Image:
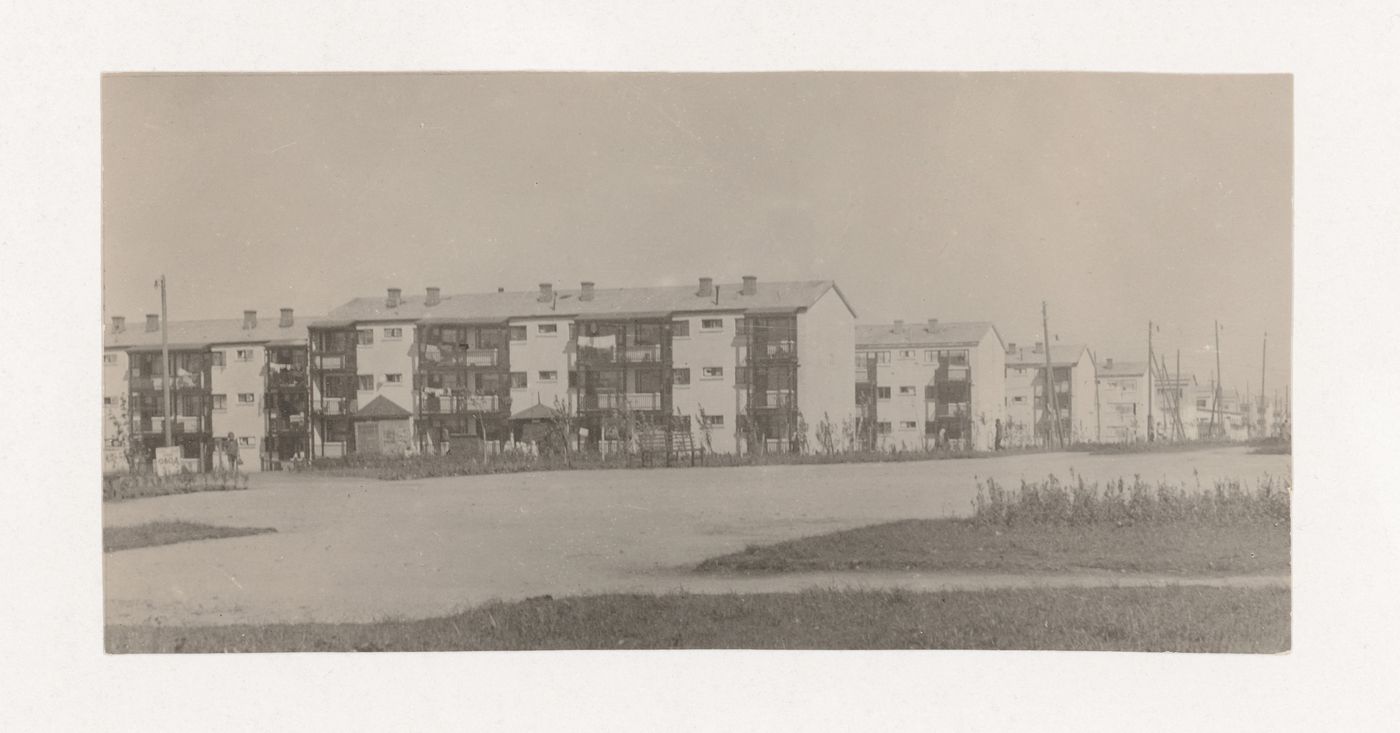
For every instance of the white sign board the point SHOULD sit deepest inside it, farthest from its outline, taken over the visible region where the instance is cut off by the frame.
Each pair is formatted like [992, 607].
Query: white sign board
[167, 461]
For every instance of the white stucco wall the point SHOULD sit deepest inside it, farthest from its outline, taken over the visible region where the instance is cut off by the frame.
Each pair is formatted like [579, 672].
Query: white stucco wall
[1123, 408]
[245, 420]
[1084, 379]
[825, 349]
[708, 348]
[988, 364]
[387, 356]
[541, 352]
[900, 371]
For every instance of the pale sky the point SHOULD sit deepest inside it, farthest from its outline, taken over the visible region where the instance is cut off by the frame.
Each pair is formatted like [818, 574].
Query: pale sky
[1118, 198]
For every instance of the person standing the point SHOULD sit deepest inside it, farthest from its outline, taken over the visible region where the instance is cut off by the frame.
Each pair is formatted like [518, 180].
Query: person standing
[231, 451]
[996, 443]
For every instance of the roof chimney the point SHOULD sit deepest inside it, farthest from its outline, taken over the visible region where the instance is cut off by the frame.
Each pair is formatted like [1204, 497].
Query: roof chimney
[932, 324]
[434, 296]
[707, 288]
[118, 324]
[1039, 347]
[546, 292]
[750, 286]
[392, 301]
[898, 324]
[1011, 347]
[250, 320]
[286, 321]
[585, 290]
[152, 322]
[500, 290]
[1108, 363]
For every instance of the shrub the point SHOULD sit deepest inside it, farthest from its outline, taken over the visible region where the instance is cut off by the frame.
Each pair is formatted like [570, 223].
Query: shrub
[122, 486]
[1119, 502]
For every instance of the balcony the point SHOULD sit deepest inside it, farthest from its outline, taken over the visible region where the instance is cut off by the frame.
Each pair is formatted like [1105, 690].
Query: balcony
[775, 350]
[772, 399]
[286, 379]
[287, 423]
[455, 404]
[596, 355]
[335, 406]
[178, 425]
[157, 384]
[635, 401]
[330, 363]
[447, 355]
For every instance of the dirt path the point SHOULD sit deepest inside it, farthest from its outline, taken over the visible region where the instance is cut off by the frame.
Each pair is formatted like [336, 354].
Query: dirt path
[360, 550]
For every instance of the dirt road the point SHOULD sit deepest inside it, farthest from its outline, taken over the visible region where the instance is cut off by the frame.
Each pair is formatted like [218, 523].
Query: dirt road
[358, 550]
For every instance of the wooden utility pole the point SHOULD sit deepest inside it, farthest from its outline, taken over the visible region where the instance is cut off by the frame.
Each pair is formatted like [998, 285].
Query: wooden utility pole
[1052, 399]
[1151, 365]
[165, 367]
[1181, 392]
[1215, 417]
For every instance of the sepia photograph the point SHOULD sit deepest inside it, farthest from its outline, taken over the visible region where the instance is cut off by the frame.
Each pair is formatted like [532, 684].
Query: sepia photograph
[579, 361]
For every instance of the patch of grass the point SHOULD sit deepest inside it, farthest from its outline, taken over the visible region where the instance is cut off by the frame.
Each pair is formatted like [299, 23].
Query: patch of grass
[962, 545]
[1182, 619]
[168, 533]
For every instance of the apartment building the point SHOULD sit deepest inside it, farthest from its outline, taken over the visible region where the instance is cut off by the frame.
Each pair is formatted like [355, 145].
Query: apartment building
[241, 377]
[930, 384]
[1122, 395]
[1028, 410]
[743, 366]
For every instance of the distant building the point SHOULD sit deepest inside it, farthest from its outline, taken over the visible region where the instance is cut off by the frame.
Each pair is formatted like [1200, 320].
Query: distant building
[1029, 412]
[245, 377]
[733, 367]
[923, 383]
[1122, 396]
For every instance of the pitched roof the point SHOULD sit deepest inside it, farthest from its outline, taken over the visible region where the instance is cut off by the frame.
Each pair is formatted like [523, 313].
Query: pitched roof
[201, 334]
[535, 412]
[968, 333]
[1060, 355]
[621, 302]
[382, 408]
[1122, 368]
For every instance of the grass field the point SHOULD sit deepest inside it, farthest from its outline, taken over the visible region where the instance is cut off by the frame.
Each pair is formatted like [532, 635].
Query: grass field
[964, 545]
[152, 534]
[1183, 619]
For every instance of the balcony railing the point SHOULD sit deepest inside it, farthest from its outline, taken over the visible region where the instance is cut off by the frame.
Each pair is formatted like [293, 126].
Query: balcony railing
[621, 401]
[156, 384]
[778, 350]
[445, 355]
[180, 424]
[453, 404]
[288, 423]
[773, 399]
[287, 379]
[329, 362]
[589, 355]
[334, 406]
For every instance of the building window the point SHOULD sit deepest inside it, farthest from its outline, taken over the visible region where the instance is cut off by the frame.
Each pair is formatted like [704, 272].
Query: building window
[366, 381]
[930, 356]
[884, 427]
[109, 358]
[712, 373]
[714, 421]
[393, 378]
[680, 329]
[247, 398]
[549, 376]
[929, 392]
[247, 441]
[107, 400]
[711, 324]
[906, 353]
[517, 380]
[908, 425]
[366, 337]
[216, 358]
[907, 391]
[882, 357]
[393, 333]
[680, 377]
[245, 354]
[517, 333]
[882, 392]
[547, 329]
[1019, 398]
[220, 402]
